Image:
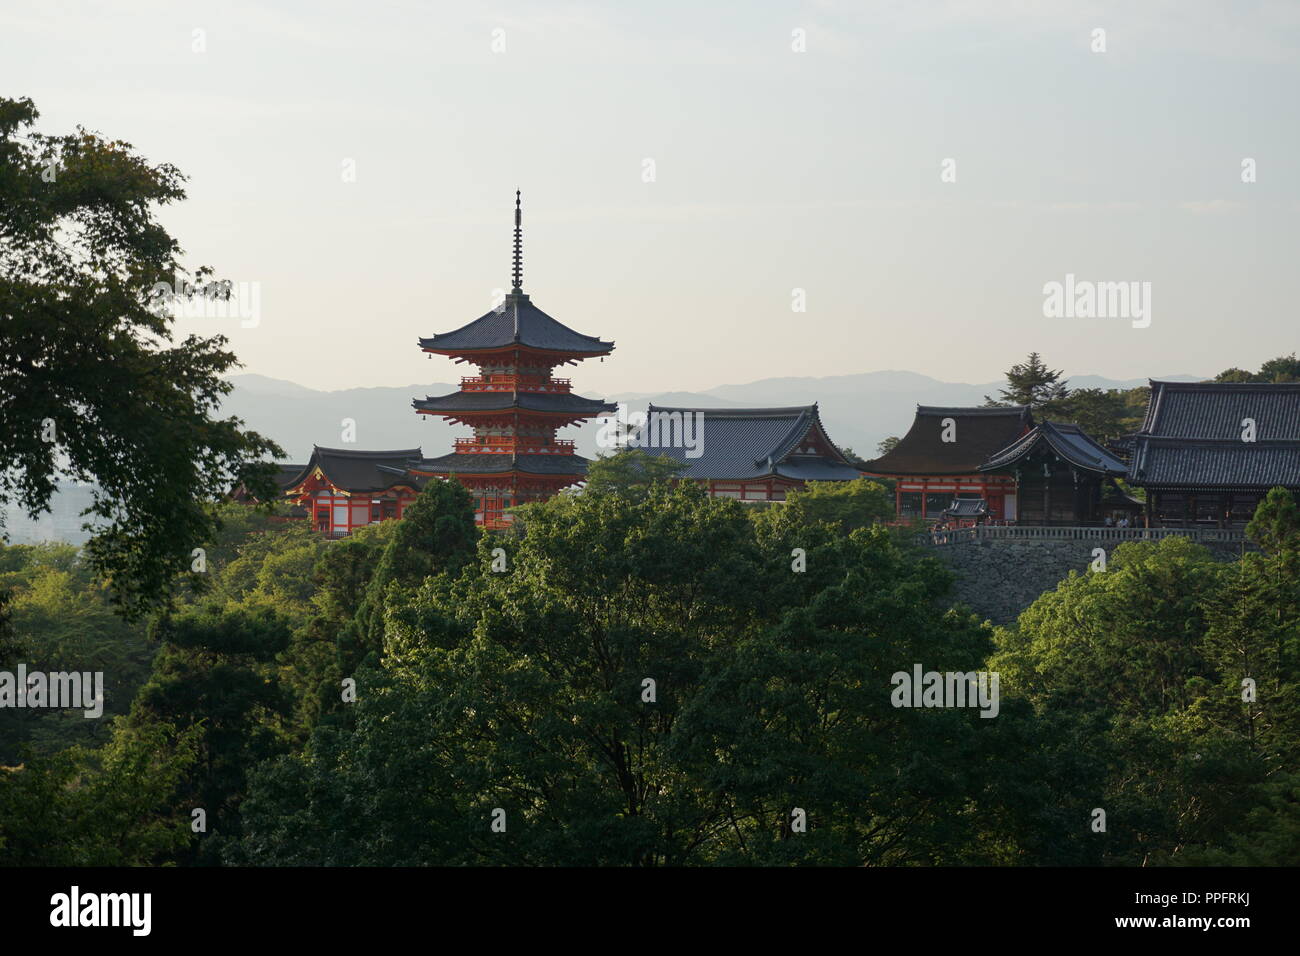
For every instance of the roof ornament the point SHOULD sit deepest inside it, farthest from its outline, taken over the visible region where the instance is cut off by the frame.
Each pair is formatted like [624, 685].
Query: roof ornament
[518, 272]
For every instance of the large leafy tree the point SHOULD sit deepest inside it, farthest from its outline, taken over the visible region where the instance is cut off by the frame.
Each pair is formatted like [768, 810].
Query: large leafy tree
[1143, 663]
[110, 807]
[1031, 383]
[1105, 414]
[1283, 368]
[649, 680]
[629, 471]
[846, 504]
[67, 624]
[93, 384]
[437, 533]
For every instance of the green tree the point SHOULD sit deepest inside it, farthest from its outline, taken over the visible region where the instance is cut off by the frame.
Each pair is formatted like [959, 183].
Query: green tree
[215, 673]
[1121, 660]
[67, 624]
[1235, 375]
[10, 647]
[1275, 525]
[1269, 835]
[650, 681]
[324, 648]
[1284, 368]
[1031, 383]
[845, 504]
[1105, 414]
[109, 807]
[93, 386]
[437, 534]
[629, 471]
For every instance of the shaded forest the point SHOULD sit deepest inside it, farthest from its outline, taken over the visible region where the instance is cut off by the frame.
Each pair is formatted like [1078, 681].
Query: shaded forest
[425, 693]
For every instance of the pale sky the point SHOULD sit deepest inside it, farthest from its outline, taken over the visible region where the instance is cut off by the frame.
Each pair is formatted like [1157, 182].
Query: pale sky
[774, 170]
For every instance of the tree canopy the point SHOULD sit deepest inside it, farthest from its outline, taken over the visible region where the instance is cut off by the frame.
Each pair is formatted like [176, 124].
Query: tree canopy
[93, 384]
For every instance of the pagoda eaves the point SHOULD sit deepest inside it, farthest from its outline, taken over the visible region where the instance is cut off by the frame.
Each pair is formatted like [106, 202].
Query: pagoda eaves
[514, 404]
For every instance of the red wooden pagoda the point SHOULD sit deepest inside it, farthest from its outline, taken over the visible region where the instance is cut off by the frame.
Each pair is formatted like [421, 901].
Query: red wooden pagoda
[514, 404]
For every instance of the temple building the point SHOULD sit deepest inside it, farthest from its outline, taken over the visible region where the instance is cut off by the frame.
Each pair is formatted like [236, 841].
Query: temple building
[940, 461]
[1062, 476]
[1208, 452]
[341, 489]
[754, 454]
[514, 404]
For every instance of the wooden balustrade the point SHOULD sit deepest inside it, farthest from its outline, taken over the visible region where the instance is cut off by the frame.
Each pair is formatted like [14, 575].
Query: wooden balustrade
[1048, 532]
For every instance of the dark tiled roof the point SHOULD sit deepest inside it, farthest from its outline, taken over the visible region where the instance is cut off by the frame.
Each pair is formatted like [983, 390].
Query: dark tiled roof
[811, 468]
[497, 464]
[1215, 410]
[1068, 441]
[287, 474]
[558, 403]
[518, 322]
[745, 443]
[979, 433]
[357, 470]
[1180, 462]
[1192, 436]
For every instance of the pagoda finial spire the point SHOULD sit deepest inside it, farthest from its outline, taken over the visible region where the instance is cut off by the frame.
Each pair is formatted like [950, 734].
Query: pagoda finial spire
[519, 246]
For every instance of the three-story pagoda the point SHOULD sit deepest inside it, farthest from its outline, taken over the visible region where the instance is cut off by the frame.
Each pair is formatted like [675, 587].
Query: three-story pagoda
[514, 404]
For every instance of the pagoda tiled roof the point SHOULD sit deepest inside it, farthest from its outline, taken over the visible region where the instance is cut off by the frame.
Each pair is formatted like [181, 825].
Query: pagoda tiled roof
[516, 322]
[556, 403]
[1068, 441]
[749, 443]
[979, 434]
[494, 464]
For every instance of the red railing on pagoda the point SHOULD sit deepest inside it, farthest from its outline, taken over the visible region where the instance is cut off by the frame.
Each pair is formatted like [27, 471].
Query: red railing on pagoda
[511, 383]
[516, 444]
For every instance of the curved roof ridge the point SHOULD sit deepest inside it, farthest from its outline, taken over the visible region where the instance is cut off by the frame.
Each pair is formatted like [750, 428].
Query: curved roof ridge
[973, 409]
[517, 322]
[783, 411]
[1068, 440]
[800, 428]
[364, 452]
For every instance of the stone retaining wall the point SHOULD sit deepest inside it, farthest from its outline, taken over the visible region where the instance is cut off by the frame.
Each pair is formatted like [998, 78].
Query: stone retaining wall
[1000, 578]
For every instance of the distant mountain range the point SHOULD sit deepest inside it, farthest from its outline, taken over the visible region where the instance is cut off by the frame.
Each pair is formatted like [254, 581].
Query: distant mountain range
[858, 410]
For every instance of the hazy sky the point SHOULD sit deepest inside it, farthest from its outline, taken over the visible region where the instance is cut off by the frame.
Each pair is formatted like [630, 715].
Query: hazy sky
[774, 170]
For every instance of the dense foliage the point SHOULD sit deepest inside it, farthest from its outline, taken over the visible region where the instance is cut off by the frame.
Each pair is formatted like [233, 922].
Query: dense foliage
[93, 385]
[644, 675]
[641, 675]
